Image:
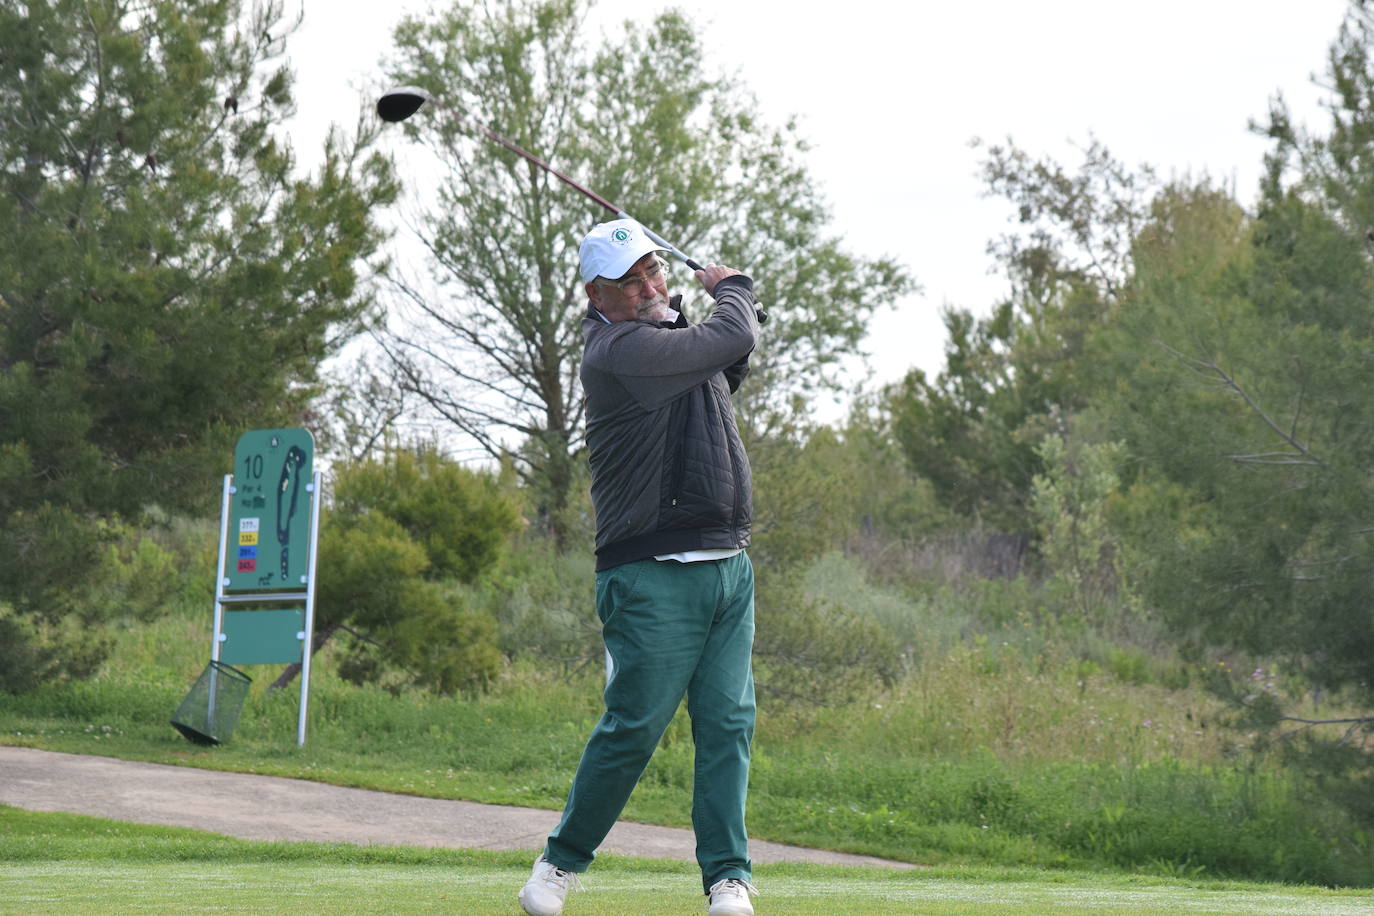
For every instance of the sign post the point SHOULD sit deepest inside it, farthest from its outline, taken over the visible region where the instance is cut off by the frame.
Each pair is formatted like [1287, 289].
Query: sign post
[269, 532]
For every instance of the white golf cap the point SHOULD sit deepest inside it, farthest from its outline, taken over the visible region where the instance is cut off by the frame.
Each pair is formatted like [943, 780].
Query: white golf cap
[611, 249]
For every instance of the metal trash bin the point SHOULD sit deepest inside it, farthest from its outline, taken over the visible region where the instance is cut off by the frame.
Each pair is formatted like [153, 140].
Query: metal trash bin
[211, 710]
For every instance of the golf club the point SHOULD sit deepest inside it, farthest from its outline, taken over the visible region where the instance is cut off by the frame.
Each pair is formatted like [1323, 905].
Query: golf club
[403, 101]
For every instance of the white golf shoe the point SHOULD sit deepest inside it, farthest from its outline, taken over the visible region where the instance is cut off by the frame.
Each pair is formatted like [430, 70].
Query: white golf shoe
[730, 897]
[544, 893]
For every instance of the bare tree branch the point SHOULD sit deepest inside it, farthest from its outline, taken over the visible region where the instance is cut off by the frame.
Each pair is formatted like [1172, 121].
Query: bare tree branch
[1210, 369]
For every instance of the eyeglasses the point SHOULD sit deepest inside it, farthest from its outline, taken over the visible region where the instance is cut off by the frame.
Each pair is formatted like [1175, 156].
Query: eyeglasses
[635, 285]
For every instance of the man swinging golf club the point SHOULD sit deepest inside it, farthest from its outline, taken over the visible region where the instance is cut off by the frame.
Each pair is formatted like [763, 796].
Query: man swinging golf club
[674, 587]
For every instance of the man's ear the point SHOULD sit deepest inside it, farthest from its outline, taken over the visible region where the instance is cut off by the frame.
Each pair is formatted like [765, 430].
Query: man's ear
[594, 293]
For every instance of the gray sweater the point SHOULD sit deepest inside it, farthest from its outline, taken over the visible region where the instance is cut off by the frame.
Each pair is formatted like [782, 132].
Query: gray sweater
[669, 472]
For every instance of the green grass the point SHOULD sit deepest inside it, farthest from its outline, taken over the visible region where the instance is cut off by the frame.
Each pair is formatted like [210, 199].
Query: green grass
[870, 781]
[994, 752]
[53, 863]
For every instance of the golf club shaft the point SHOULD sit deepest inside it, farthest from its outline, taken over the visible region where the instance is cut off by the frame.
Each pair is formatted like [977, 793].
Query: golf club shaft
[530, 157]
[672, 249]
[620, 214]
[402, 102]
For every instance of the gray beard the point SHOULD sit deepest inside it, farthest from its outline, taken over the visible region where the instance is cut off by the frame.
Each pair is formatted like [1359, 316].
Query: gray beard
[655, 309]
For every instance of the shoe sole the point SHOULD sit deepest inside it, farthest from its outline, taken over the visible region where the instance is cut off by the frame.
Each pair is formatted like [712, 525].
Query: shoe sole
[526, 907]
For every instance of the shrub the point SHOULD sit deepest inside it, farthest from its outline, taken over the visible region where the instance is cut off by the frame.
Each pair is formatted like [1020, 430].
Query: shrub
[84, 576]
[544, 602]
[402, 535]
[815, 652]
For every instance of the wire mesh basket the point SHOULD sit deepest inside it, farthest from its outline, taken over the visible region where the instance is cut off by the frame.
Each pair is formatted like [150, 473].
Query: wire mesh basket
[211, 710]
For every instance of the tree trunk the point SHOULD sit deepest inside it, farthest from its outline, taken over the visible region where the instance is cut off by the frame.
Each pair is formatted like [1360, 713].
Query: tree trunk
[289, 673]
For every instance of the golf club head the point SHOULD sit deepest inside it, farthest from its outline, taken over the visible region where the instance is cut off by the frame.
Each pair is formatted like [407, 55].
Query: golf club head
[401, 102]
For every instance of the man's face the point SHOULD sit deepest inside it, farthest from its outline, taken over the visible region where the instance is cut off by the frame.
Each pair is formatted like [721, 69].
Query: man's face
[641, 293]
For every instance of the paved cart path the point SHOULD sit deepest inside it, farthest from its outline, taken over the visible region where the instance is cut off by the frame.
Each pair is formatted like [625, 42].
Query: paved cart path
[276, 808]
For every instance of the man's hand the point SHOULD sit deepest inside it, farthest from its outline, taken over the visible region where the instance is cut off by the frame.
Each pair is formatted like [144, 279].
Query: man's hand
[713, 274]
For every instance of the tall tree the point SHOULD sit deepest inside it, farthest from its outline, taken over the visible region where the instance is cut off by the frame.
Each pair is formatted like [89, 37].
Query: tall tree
[494, 346]
[1242, 360]
[1015, 375]
[168, 276]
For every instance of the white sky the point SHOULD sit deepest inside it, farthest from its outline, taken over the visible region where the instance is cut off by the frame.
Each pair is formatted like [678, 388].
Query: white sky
[890, 97]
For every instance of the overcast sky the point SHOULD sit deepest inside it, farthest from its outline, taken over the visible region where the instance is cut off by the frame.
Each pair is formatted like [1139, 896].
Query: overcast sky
[890, 97]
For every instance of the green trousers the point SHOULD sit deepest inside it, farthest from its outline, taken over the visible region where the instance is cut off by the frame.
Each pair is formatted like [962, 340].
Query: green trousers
[670, 628]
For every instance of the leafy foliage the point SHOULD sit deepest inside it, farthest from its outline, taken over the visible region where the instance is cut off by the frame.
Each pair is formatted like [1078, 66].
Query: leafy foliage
[813, 652]
[1015, 376]
[1227, 361]
[494, 347]
[543, 600]
[462, 519]
[135, 577]
[1237, 395]
[168, 277]
[1172, 396]
[401, 533]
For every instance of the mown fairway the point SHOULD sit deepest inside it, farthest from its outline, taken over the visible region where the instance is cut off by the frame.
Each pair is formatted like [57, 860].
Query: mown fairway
[272, 887]
[60, 863]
